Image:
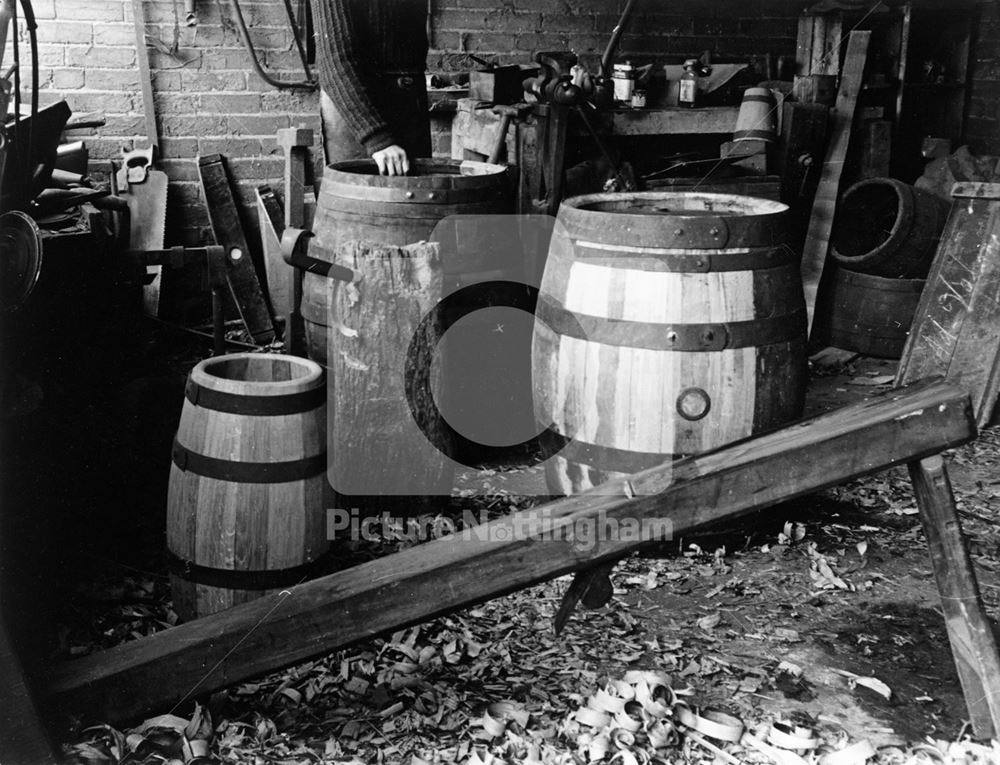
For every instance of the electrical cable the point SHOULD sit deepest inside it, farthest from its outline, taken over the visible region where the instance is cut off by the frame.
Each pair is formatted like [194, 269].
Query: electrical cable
[309, 83]
[16, 50]
[32, 26]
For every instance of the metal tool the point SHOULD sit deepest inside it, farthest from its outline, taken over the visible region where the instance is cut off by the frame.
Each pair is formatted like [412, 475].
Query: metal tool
[507, 115]
[215, 262]
[144, 188]
[20, 259]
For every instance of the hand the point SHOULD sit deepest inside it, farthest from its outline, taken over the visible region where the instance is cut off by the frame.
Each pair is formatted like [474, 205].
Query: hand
[392, 161]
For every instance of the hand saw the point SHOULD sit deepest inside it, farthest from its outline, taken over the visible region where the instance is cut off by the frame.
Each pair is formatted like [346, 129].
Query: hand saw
[143, 188]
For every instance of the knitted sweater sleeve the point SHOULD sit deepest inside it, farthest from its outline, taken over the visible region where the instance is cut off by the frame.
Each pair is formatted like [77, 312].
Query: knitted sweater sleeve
[340, 74]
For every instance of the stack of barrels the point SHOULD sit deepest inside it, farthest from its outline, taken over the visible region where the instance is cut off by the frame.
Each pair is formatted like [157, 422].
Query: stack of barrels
[884, 239]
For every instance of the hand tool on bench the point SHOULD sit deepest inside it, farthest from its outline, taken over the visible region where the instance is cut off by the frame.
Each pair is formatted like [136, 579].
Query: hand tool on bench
[142, 187]
[507, 115]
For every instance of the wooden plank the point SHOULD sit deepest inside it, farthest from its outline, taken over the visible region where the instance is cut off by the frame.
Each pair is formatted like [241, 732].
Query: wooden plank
[709, 119]
[825, 203]
[876, 150]
[956, 329]
[509, 553]
[279, 273]
[803, 140]
[243, 281]
[377, 446]
[145, 77]
[969, 630]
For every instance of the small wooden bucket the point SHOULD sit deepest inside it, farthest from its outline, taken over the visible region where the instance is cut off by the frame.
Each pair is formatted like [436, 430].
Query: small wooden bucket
[758, 117]
[245, 512]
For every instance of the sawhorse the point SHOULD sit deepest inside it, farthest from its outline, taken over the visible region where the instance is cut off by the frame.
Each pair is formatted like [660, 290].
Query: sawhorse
[909, 426]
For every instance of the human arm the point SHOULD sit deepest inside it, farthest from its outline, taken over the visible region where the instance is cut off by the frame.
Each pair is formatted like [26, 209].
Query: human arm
[341, 75]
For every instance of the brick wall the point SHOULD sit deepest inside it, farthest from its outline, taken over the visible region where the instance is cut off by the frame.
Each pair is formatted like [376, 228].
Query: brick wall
[209, 100]
[513, 30]
[982, 127]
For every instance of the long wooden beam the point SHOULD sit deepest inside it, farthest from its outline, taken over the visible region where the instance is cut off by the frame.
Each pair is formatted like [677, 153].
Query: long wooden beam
[438, 577]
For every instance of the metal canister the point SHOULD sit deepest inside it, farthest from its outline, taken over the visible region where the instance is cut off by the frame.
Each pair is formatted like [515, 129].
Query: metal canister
[623, 76]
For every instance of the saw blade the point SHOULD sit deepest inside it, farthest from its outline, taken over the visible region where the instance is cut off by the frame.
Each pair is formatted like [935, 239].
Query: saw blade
[147, 206]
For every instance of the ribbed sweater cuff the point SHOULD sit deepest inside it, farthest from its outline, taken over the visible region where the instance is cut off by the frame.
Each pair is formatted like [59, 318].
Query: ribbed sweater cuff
[378, 140]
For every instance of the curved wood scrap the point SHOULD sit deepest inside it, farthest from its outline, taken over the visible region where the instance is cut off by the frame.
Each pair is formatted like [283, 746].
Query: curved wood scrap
[438, 577]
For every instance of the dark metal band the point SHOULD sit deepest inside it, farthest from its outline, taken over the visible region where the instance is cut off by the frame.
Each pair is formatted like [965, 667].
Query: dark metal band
[670, 337]
[438, 196]
[269, 579]
[248, 472]
[255, 406]
[655, 259]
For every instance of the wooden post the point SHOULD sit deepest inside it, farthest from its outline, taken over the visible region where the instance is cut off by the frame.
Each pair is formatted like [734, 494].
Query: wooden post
[825, 204]
[296, 143]
[969, 630]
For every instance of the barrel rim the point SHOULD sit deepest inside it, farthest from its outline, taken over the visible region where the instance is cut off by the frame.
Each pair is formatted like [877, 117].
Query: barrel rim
[201, 375]
[467, 173]
[878, 282]
[905, 207]
[577, 203]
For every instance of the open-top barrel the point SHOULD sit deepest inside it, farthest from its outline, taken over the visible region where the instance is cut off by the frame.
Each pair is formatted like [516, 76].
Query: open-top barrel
[245, 511]
[356, 203]
[667, 324]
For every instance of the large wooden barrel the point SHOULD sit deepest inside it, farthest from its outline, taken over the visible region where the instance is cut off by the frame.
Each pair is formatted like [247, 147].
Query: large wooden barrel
[245, 510]
[355, 202]
[667, 324]
[865, 313]
[888, 228]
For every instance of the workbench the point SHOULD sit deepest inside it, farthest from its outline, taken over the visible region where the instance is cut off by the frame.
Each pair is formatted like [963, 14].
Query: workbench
[476, 131]
[475, 127]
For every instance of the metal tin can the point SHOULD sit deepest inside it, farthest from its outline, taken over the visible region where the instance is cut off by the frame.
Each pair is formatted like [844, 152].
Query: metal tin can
[623, 76]
[639, 99]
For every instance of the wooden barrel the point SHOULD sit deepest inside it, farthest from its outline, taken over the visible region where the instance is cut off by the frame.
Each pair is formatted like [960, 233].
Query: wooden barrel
[864, 313]
[355, 202]
[245, 511]
[667, 324]
[888, 228]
